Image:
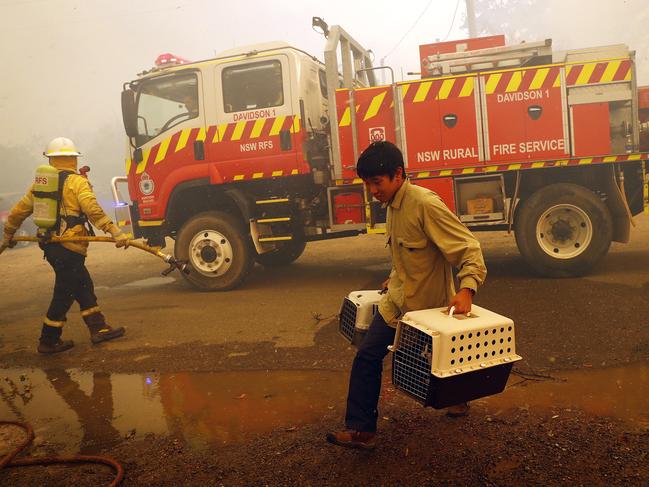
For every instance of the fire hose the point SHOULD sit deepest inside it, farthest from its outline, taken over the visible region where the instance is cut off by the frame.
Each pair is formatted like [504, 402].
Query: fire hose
[174, 263]
[9, 459]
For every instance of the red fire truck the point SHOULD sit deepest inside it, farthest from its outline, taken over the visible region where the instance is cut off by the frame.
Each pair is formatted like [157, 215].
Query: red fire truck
[248, 156]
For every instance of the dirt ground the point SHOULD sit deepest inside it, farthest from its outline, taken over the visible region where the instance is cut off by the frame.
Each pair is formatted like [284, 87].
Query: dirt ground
[285, 320]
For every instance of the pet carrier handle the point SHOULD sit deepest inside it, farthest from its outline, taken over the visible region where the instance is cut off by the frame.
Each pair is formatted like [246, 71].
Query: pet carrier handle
[452, 310]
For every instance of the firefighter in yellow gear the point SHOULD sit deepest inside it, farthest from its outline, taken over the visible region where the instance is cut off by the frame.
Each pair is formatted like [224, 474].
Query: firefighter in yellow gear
[76, 205]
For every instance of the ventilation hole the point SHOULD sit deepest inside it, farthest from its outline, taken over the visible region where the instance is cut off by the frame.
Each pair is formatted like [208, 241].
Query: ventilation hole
[509, 329]
[486, 355]
[453, 350]
[452, 361]
[486, 332]
[502, 340]
[486, 343]
[469, 347]
[477, 345]
[509, 350]
[469, 358]
[509, 339]
[461, 337]
[470, 335]
[493, 342]
[453, 338]
[494, 331]
[492, 353]
[461, 349]
[461, 360]
[477, 334]
[501, 351]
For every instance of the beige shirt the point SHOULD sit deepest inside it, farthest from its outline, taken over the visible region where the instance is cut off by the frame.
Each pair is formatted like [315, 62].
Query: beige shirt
[425, 240]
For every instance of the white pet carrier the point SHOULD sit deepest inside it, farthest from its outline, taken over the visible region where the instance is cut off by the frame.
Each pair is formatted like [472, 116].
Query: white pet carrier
[356, 314]
[442, 360]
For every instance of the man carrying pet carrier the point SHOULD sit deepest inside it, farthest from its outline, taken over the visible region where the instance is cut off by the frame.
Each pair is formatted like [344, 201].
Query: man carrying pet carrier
[426, 240]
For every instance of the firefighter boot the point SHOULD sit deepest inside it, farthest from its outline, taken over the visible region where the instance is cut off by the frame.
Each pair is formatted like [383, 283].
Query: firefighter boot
[50, 341]
[99, 330]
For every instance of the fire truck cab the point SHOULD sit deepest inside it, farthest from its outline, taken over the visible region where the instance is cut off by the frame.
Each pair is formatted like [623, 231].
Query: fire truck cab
[248, 156]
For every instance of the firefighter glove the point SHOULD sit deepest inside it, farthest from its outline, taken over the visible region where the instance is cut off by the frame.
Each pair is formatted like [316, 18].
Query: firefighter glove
[121, 239]
[7, 243]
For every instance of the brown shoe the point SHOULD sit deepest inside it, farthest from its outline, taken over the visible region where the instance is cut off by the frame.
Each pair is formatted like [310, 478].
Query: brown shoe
[363, 440]
[458, 410]
[55, 347]
[106, 333]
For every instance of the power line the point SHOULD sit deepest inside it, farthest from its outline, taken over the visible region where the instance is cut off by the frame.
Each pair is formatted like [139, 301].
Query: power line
[410, 30]
[452, 21]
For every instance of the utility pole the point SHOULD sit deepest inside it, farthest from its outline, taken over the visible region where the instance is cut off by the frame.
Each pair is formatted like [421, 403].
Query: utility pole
[470, 16]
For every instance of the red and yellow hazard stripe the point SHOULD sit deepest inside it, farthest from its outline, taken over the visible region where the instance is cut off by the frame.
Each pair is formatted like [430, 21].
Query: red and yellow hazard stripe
[522, 80]
[438, 89]
[598, 72]
[460, 171]
[232, 132]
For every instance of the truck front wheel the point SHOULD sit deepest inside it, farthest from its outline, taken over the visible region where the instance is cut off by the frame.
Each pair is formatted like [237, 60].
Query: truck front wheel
[563, 230]
[217, 249]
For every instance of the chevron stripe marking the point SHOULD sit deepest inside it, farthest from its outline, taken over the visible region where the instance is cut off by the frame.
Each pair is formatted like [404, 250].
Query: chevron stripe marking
[514, 167]
[467, 88]
[182, 140]
[238, 130]
[129, 163]
[142, 165]
[587, 160]
[375, 105]
[238, 177]
[277, 125]
[422, 91]
[539, 78]
[277, 173]
[537, 165]
[514, 82]
[610, 159]
[445, 90]
[294, 172]
[491, 168]
[446, 172]
[257, 175]
[586, 71]
[295, 126]
[202, 134]
[257, 128]
[162, 151]
[492, 83]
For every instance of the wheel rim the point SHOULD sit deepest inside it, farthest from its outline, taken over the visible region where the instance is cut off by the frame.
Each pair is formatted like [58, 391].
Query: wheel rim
[210, 253]
[564, 231]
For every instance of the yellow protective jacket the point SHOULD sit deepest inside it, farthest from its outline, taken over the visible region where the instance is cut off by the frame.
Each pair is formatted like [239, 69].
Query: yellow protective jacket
[77, 198]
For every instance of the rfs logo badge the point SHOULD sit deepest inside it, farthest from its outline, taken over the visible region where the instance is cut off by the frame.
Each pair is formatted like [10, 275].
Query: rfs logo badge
[147, 186]
[377, 134]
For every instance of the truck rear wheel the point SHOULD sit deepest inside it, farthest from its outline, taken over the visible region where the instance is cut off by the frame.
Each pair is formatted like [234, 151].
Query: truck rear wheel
[563, 230]
[286, 254]
[217, 249]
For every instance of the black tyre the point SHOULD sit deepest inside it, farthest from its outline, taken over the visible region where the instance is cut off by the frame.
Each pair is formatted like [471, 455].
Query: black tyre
[289, 252]
[218, 251]
[563, 230]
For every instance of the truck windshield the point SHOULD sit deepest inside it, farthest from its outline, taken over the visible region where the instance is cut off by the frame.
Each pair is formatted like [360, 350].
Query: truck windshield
[165, 102]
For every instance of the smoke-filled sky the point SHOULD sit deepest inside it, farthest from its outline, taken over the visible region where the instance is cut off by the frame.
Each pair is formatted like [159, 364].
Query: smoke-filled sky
[64, 61]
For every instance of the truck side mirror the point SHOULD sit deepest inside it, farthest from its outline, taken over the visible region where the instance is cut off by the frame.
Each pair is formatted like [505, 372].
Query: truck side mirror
[129, 113]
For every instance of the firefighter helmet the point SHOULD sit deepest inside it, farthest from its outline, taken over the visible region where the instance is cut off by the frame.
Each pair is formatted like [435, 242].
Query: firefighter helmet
[61, 146]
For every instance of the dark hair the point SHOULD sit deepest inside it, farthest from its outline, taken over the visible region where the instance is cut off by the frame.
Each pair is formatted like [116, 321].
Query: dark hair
[380, 159]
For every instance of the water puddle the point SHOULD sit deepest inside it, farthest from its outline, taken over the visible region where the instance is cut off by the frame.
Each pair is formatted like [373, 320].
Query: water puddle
[620, 392]
[74, 411]
[81, 411]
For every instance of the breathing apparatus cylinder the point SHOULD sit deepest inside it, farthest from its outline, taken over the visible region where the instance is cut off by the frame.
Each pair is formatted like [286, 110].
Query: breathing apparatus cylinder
[46, 197]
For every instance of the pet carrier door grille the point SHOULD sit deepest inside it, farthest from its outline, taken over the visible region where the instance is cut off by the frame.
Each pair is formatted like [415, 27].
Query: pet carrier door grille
[412, 362]
[348, 319]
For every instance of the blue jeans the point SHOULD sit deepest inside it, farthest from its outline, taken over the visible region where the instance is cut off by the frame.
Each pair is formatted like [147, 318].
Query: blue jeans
[365, 377]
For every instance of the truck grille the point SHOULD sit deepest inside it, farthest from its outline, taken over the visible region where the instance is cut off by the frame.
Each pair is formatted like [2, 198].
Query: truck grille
[411, 367]
[348, 319]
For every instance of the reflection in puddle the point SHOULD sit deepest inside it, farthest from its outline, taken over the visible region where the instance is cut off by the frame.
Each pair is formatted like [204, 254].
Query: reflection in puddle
[74, 411]
[83, 412]
[620, 392]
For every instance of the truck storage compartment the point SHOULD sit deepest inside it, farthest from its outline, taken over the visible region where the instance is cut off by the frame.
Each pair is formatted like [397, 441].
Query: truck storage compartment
[441, 123]
[524, 118]
[481, 199]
